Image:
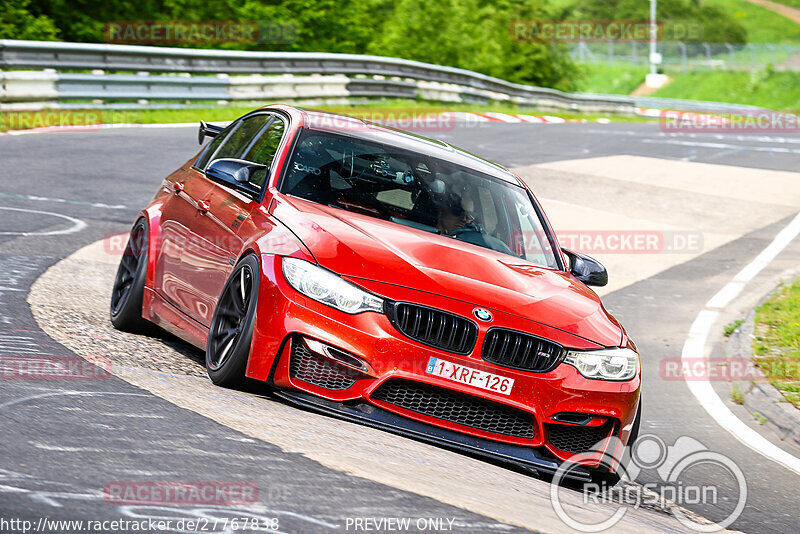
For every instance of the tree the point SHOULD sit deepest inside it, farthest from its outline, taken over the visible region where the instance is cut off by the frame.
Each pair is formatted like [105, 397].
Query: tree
[17, 22]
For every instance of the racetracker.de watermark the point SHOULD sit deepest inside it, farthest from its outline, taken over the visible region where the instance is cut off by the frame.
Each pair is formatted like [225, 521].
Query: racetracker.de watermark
[189, 493]
[199, 32]
[724, 369]
[54, 368]
[742, 121]
[632, 241]
[60, 118]
[429, 121]
[588, 30]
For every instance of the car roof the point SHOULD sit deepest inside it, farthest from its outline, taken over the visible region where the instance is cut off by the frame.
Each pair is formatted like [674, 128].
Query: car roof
[341, 124]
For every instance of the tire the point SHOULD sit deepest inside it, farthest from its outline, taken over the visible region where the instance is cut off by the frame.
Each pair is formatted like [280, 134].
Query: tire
[128, 290]
[231, 331]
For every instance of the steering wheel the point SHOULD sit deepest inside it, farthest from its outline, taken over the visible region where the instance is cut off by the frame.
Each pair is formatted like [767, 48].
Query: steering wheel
[486, 240]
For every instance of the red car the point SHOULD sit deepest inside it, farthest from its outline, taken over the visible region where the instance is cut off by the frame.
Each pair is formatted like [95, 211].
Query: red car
[383, 277]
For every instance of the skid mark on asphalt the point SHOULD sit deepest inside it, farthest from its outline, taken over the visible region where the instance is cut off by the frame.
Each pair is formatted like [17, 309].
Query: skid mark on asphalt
[77, 224]
[63, 201]
[78, 319]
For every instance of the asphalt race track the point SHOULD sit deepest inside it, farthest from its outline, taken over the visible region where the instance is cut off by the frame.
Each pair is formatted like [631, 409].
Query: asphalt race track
[722, 199]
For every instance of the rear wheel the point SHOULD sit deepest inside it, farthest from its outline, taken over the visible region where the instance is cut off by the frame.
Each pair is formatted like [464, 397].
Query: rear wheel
[231, 330]
[128, 290]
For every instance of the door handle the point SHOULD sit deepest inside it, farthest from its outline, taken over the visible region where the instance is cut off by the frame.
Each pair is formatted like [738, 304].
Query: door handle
[203, 206]
[179, 186]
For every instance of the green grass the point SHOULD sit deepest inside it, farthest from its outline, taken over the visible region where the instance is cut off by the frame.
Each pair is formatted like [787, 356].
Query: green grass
[777, 341]
[766, 88]
[615, 78]
[736, 395]
[731, 327]
[380, 110]
[762, 25]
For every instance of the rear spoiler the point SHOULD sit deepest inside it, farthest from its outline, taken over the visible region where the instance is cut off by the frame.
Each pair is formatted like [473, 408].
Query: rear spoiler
[208, 130]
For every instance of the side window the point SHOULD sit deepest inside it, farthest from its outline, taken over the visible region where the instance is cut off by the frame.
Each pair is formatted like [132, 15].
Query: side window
[239, 139]
[263, 148]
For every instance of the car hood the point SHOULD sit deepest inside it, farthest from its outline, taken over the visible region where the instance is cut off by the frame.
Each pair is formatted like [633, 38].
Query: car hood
[360, 246]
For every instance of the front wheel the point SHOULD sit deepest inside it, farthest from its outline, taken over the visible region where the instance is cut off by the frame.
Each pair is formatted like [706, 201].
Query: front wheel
[602, 476]
[128, 290]
[231, 330]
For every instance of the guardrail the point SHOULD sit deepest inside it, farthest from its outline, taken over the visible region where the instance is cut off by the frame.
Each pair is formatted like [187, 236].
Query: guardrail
[147, 73]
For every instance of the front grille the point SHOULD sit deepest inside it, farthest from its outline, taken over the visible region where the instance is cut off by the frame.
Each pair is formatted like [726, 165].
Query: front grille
[436, 328]
[456, 407]
[318, 370]
[576, 439]
[518, 350]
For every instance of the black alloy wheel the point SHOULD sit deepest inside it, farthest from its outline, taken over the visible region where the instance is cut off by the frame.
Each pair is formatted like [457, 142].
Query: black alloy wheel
[128, 290]
[231, 328]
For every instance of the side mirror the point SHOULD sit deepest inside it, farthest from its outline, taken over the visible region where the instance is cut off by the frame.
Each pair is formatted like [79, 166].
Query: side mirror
[233, 170]
[586, 269]
[208, 130]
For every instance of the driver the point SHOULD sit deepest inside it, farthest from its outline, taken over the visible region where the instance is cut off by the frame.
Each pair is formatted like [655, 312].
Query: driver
[452, 214]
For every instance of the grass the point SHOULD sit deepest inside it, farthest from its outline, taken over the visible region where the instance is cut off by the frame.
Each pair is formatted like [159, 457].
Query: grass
[777, 341]
[736, 395]
[766, 88]
[762, 25]
[615, 78]
[731, 327]
[400, 110]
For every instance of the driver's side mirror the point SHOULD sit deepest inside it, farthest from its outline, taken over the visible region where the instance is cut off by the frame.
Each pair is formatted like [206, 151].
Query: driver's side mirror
[586, 269]
[234, 170]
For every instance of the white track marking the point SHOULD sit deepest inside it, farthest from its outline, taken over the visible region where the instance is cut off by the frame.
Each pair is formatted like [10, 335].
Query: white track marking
[65, 201]
[77, 224]
[695, 347]
[722, 146]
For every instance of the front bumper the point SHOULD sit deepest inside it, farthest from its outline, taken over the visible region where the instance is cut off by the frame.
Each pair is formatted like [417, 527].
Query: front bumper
[285, 319]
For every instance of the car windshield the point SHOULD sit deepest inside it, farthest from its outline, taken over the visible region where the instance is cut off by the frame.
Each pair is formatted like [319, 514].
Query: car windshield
[418, 191]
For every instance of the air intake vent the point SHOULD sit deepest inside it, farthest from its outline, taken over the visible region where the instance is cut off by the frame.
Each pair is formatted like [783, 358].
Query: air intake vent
[517, 350]
[456, 407]
[436, 328]
[319, 370]
[577, 439]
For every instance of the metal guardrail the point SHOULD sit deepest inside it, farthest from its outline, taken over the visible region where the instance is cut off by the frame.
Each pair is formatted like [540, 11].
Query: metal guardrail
[145, 73]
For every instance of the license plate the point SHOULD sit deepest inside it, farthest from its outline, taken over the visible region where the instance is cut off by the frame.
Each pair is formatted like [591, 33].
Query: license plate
[468, 375]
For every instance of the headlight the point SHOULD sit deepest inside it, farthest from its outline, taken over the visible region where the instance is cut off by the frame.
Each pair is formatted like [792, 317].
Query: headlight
[604, 364]
[327, 288]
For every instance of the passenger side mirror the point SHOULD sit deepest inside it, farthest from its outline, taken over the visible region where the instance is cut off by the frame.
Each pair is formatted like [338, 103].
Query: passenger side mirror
[233, 170]
[208, 130]
[586, 269]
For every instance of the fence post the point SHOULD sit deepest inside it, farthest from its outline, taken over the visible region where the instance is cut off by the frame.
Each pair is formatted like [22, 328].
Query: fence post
[682, 46]
[771, 53]
[708, 54]
[731, 59]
